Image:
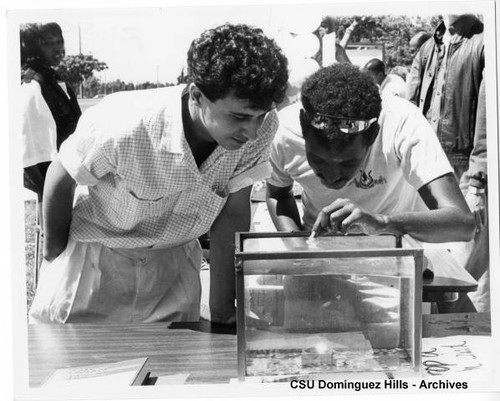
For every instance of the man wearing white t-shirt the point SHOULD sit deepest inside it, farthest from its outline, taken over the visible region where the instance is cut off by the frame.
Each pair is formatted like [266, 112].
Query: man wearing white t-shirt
[363, 164]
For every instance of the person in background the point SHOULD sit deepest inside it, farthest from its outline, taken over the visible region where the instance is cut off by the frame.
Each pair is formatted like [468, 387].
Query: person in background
[346, 38]
[50, 110]
[326, 27]
[364, 164]
[389, 84]
[418, 40]
[400, 71]
[161, 167]
[446, 82]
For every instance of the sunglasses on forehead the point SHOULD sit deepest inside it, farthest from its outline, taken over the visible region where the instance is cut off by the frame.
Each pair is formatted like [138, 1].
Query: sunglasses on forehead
[345, 125]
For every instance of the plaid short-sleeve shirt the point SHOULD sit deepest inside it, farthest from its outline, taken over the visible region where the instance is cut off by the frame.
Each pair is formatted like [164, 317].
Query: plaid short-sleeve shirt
[144, 187]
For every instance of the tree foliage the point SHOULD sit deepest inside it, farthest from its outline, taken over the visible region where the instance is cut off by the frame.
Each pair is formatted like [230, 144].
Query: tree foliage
[395, 31]
[76, 69]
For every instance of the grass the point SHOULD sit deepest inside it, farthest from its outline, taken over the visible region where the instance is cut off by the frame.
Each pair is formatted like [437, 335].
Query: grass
[29, 246]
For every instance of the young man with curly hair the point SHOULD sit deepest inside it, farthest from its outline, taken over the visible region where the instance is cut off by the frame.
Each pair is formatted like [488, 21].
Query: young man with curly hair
[364, 164]
[162, 167]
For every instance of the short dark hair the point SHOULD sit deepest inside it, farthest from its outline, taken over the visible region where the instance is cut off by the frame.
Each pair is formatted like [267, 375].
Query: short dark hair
[31, 38]
[375, 65]
[242, 59]
[328, 23]
[419, 39]
[342, 90]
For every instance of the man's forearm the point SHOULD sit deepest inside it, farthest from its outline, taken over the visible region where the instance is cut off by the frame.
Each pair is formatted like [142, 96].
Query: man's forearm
[57, 209]
[442, 225]
[235, 217]
[347, 34]
[283, 211]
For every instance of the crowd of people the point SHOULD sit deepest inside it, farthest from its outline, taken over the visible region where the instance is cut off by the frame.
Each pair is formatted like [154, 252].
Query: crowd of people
[136, 180]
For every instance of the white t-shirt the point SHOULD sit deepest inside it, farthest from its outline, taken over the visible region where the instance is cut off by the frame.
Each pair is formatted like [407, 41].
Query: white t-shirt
[405, 156]
[393, 85]
[38, 127]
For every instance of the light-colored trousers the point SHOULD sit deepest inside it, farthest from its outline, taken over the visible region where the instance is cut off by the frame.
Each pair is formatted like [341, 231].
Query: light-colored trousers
[92, 283]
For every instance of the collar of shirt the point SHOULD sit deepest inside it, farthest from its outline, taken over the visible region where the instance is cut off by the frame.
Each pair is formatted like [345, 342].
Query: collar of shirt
[178, 144]
[173, 124]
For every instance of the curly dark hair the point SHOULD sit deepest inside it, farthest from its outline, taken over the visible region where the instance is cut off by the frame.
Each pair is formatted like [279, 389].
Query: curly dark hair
[342, 90]
[32, 36]
[242, 59]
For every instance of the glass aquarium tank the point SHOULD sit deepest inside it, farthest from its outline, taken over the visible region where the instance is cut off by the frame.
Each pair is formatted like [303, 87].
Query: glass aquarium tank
[331, 304]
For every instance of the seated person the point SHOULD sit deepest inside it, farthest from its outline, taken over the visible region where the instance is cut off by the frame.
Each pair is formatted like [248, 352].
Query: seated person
[161, 168]
[365, 165]
[362, 161]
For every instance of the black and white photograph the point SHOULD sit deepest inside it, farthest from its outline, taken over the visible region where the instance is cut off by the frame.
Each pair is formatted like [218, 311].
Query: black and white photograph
[251, 199]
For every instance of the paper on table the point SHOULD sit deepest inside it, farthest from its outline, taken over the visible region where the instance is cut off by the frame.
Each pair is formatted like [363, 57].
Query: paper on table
[457, 355]
[179, 378]
[123, 373]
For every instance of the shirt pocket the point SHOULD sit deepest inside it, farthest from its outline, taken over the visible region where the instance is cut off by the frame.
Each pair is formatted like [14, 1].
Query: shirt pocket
[145, 207]
[138, 210]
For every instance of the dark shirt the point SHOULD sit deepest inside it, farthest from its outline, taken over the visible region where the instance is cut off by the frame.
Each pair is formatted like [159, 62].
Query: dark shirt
[65, 111]
[449, 90]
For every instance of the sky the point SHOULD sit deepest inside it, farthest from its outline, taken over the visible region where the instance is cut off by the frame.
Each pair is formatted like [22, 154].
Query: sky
[137, 44]
[150, 43]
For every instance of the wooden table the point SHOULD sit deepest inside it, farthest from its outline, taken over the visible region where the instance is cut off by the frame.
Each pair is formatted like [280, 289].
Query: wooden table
[454, 324]
[207, 352]
[449, 277]
[204, 351]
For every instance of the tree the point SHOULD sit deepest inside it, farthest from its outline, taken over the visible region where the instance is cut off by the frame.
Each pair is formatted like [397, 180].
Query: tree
[395, 31]
[182, 78]
[146, 85]
[75, 69]
[91, 86]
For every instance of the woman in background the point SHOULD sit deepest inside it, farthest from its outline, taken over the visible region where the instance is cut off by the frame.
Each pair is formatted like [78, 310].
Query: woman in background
[50, 110]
